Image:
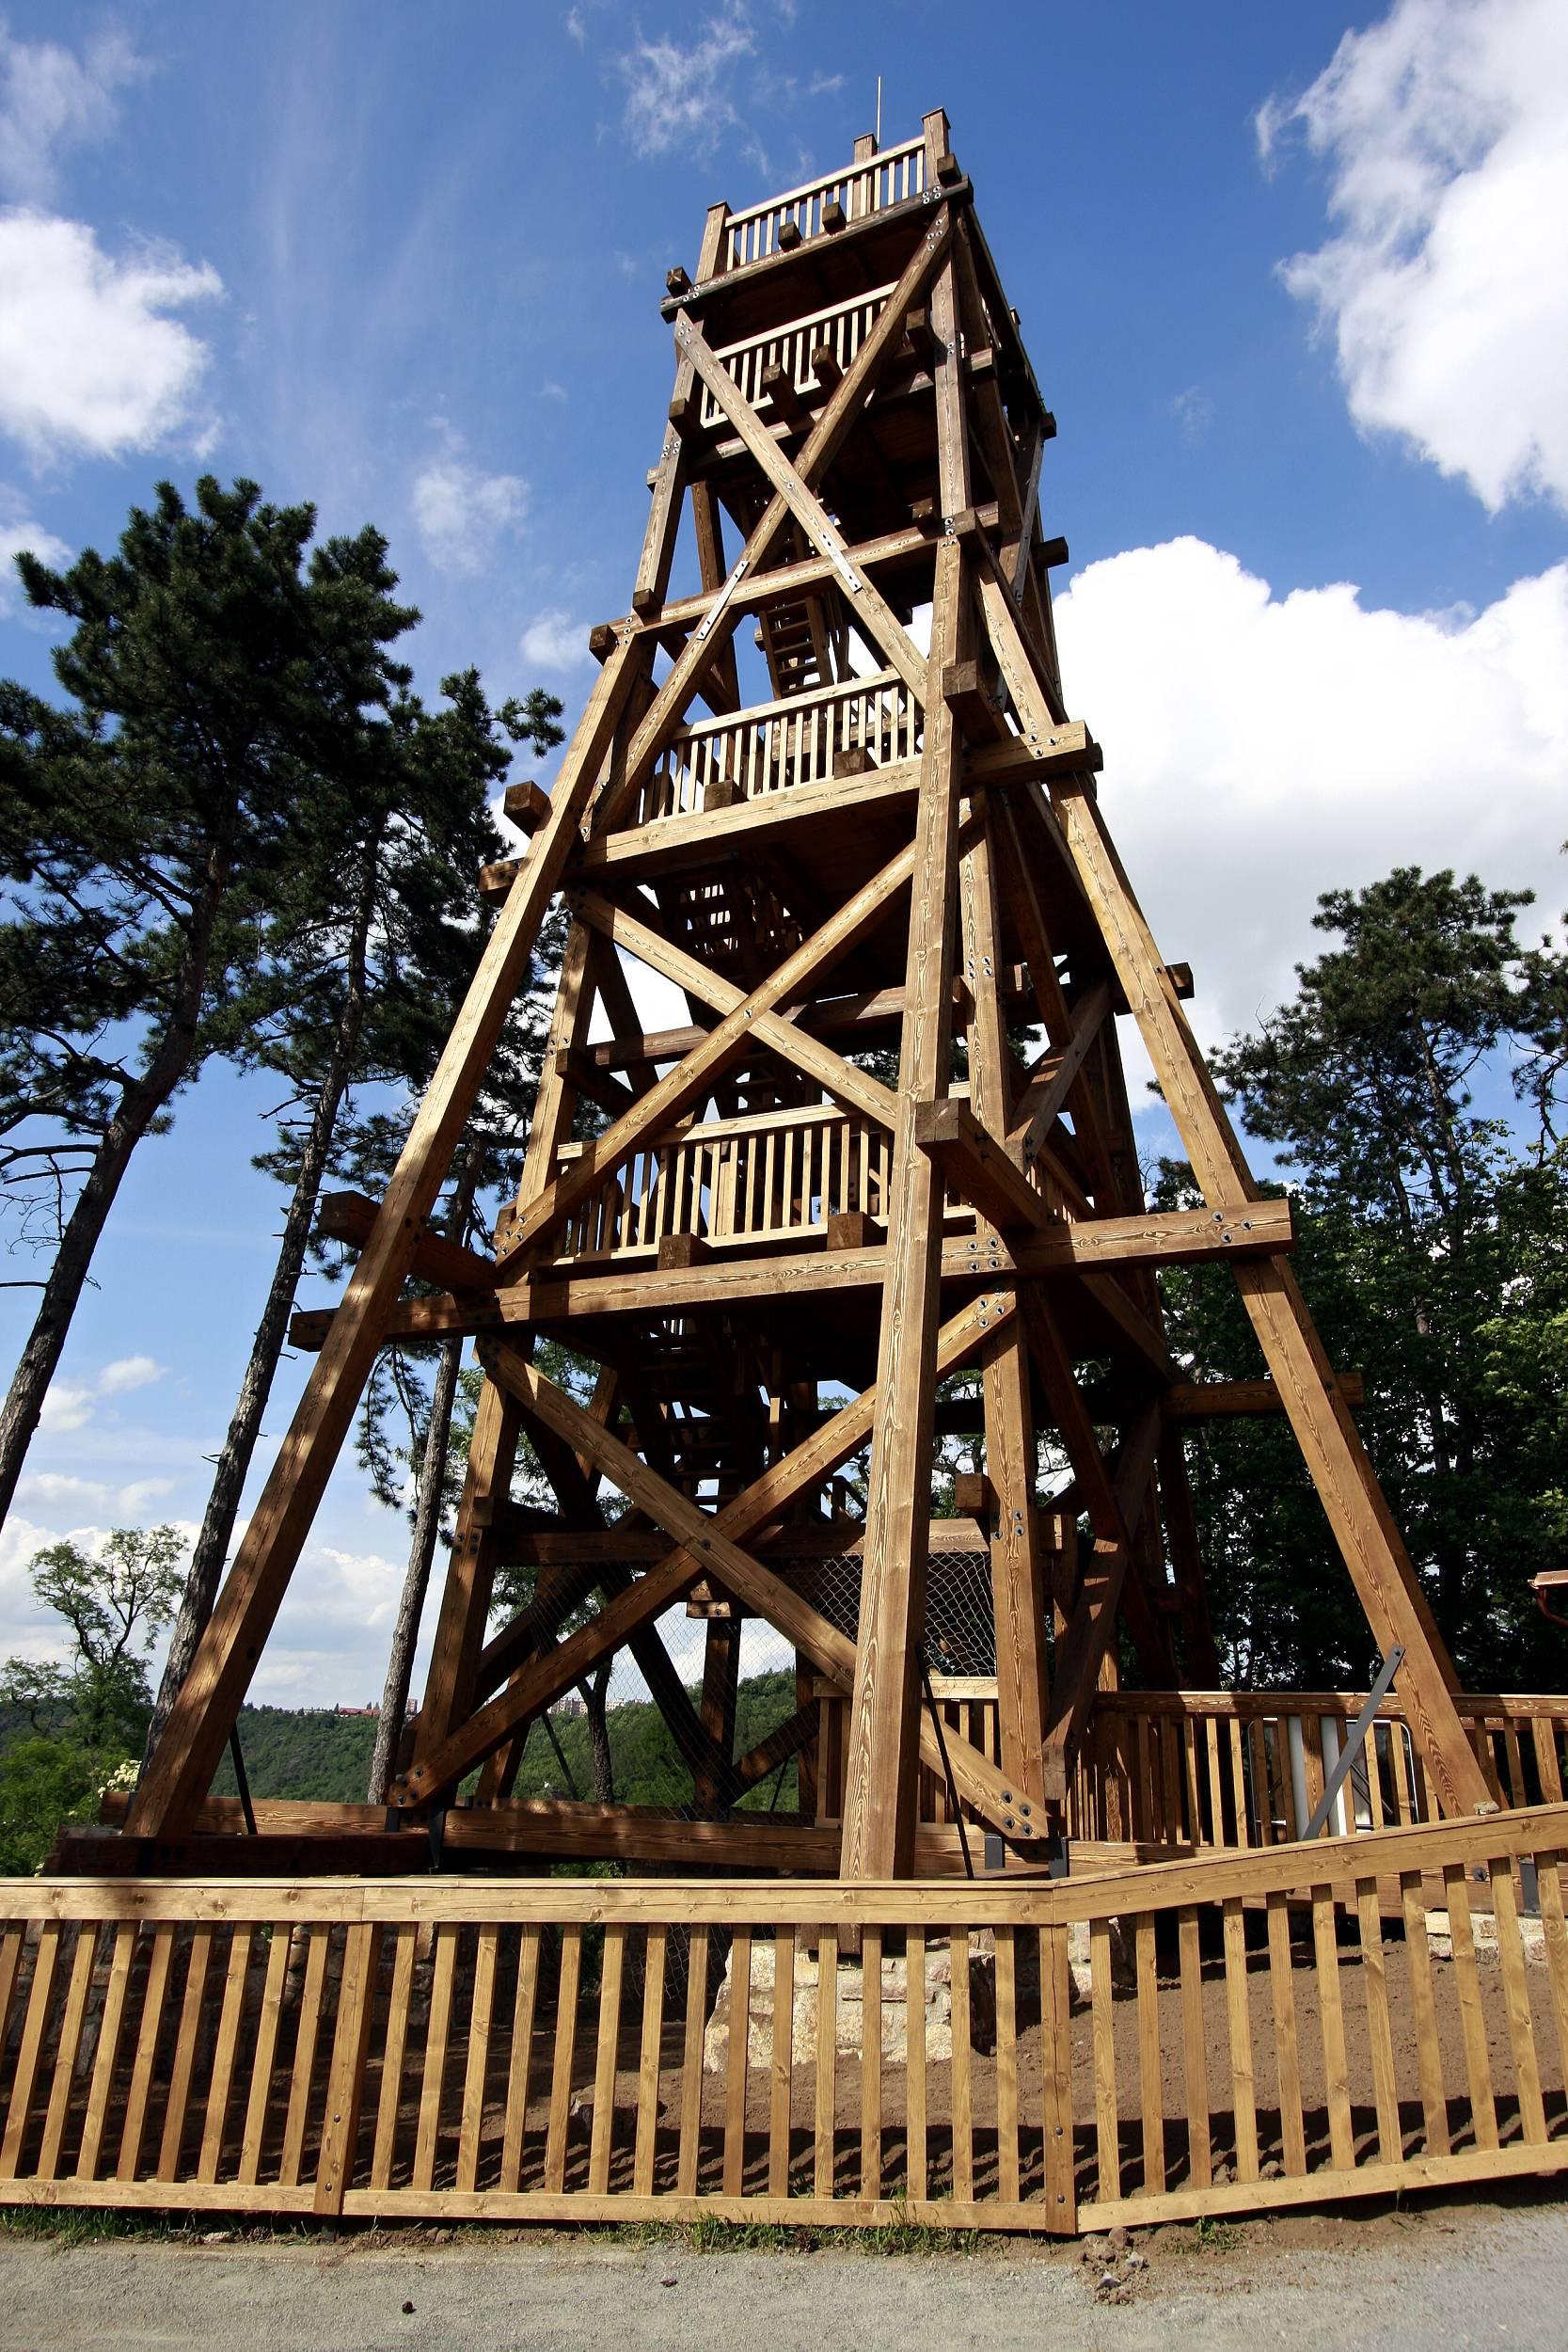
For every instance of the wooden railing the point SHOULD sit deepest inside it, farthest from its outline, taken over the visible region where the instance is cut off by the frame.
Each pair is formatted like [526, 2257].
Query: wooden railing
[1247, 1769]
[891, 177]
[842, 329]
[776, 745]
[1239, 1771]
[1243, 2031]
[761, 1180]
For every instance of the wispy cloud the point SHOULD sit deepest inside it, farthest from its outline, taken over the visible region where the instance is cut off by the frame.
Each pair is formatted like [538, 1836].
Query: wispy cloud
[51, 100]
[554, 640]
[461, 512]
[1194, 412]
[69, 1404]
[90, 361]
[682, 96]
[127, 1373]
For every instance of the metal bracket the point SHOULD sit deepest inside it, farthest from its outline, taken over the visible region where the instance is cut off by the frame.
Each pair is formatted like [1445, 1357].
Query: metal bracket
[1355, 1743]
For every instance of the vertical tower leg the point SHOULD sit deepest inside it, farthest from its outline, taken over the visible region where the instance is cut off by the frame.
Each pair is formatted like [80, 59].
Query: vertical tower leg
[1017, 1569]
[884, 1719]
[451, 1684]
[720, 1687]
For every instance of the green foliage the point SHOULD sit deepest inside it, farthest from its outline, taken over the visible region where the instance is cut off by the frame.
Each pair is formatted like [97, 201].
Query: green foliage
[67, 1729]
[217, 670]
[44, 1785]
[316, 1752]
[301, 1753]
[1432, 1250]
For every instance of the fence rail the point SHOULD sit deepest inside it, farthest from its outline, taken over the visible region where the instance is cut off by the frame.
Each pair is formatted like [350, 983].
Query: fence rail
[1241, 2032]
[894, 176]
[776, 745]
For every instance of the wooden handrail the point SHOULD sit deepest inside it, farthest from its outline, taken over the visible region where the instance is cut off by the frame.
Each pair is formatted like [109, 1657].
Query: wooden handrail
[828, 180]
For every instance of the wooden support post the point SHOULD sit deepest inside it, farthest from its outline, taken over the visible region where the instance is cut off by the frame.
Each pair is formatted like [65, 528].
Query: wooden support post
[720, 1686]
[880, 1785]
[1016, 1568]
[450, 1683]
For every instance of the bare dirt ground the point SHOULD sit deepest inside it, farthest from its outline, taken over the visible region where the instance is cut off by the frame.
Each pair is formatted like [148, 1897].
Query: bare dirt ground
[1451, 2273]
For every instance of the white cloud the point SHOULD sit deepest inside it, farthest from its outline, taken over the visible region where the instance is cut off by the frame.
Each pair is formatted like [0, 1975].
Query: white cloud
[67, 1407]
[553, 641]
[679, 97]
[57, 1490]
[68, 1403]
[461, 513]
[127, 1373]
[51, 99]
[18, 530]
[1445, 129]
[90, 361]
[1261, 750]
[60, 1490]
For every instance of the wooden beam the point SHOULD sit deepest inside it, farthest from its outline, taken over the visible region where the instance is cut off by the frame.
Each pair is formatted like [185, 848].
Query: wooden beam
[692, 1078]
[350, 1218]
[788, 583]
[871, 1013]
[180, 1768]
[1086, 1247]
[871, 610]
[881, 1740]
[977, 1780]
[1019, 1594]
[1229, 1400]
[1076, 1681]
[667, 844]
[981, 1170]
[1052, 1078]
[800, 1471]
[780, 1032]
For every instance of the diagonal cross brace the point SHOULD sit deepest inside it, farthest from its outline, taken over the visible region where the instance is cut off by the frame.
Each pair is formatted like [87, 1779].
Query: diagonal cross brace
[832, 427]
[706, 1543]
[1354, 1742]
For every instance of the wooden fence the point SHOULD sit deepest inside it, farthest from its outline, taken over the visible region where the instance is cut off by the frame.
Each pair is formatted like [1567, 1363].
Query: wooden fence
[1240, 1769]
[1276, 2027]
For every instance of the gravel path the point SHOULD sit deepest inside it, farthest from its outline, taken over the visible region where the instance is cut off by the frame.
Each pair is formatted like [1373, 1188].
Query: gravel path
[1450, 2276]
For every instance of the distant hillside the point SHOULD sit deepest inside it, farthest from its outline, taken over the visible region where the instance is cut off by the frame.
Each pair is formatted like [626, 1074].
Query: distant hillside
[315, 1751]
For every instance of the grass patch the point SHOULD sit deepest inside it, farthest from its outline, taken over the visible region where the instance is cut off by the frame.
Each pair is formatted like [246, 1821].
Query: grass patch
[716, 2236]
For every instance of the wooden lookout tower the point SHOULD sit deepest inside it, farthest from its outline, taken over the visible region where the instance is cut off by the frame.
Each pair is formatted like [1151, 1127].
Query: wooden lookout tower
[1058, 1934]
[892, 1142]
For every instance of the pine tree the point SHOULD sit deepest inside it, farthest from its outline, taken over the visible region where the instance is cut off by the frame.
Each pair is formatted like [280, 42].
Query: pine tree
[218, 669]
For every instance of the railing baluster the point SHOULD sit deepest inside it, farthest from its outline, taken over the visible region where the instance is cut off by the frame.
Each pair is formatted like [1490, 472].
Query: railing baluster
[1423, 2014]
[783, 2067]
[738, 2062]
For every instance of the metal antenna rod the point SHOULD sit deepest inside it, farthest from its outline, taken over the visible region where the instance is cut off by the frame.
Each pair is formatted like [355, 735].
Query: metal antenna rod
[879, 130]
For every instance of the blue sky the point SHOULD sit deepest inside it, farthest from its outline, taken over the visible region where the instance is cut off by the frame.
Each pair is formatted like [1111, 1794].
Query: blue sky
[1294, 280]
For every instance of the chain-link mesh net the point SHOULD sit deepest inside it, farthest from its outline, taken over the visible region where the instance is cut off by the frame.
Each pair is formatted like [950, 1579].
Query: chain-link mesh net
[609, 1741]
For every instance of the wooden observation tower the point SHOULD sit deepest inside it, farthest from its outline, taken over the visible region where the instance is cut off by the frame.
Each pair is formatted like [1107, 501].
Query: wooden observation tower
[828, 788]
[881, 1184]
